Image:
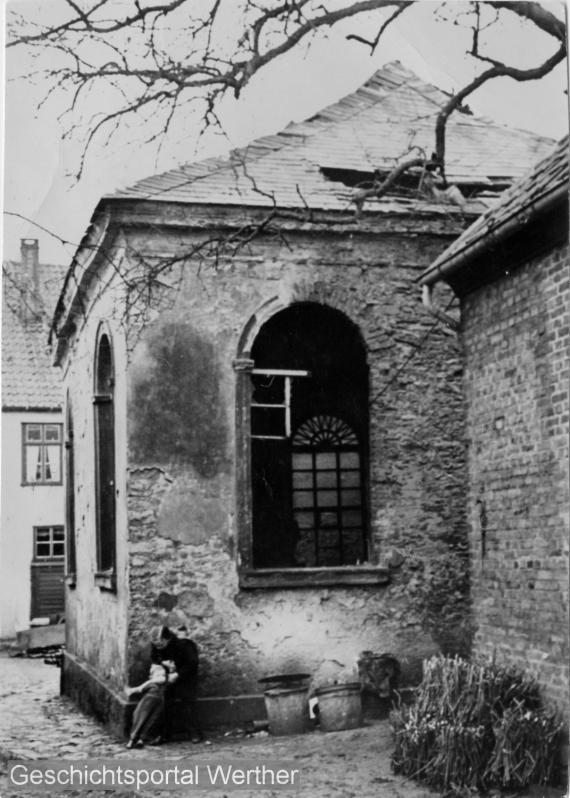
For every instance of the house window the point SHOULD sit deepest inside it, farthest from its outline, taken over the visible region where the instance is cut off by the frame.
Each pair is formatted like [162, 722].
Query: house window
[42, 454]
[49, 542]
[70, 496]
[103, 402]
[308, 432]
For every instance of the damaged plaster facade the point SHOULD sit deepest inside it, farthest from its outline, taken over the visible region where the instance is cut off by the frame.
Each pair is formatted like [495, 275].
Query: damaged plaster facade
[179, 562]
[185, 343]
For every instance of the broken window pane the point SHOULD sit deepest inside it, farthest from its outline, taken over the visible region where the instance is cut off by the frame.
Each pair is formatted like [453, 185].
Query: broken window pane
[268, 422]
[268, 389]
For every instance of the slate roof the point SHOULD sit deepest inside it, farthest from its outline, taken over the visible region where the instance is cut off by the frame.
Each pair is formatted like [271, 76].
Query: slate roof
[365, 131]
[545, 178]
[29, 381]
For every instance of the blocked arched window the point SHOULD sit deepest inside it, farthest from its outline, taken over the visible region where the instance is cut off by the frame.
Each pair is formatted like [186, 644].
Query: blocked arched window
[103, 402]
[70, 494]
[308, 434]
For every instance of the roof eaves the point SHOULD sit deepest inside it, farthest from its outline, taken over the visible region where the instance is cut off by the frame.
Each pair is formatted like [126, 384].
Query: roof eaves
[447, 265]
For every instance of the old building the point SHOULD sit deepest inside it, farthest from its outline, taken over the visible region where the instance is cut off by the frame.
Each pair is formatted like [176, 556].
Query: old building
[267, 425]
[32, 529]
[510, 270]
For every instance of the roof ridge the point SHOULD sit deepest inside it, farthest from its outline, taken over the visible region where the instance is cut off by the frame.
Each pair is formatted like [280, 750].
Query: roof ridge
[382, 73]
[376, 97]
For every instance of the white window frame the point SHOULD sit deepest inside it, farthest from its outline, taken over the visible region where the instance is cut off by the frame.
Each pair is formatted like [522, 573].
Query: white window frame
[42, 444]
[289, 375]
[51, 542]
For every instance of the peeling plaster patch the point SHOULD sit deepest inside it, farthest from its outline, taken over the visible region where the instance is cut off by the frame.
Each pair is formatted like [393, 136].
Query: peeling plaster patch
[187, 515]
[166, 601]
[196, 603]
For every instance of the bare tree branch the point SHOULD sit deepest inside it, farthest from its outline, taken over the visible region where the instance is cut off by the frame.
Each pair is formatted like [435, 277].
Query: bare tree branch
[374, 44]
[496, 71]
[157, 79]
[537, 14]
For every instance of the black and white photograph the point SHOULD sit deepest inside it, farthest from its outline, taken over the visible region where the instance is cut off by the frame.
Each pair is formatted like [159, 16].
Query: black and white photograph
[285, 483]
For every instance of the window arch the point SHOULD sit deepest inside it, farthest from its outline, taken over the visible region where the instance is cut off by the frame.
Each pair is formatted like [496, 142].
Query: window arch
[308, 441]
[103, 401]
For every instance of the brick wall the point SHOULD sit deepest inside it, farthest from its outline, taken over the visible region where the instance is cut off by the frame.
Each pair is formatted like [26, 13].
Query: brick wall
[516, 337]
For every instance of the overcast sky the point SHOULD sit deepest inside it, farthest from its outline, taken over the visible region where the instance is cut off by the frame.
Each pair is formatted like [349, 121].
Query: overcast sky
[39, 164]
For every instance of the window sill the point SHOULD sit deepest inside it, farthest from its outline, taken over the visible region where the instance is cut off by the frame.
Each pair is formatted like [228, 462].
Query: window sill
[106, 580]
[314, 577]
[41, 484]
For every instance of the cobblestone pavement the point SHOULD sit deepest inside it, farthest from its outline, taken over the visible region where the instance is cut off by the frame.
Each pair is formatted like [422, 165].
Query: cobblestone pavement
[36, 723]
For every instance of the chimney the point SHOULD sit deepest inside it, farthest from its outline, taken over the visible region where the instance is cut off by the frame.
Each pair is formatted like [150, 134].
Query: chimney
[30, 258]
[29, 278]
[29, 249]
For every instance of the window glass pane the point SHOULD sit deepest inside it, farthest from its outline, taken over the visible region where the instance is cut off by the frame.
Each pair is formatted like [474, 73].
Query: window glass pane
[349, 460]
[326, 479]
[268, 421]
[52, 432]
[353, 546]
[43, 550]
[58, 533]
[33, 432]
[351, 518]
[52, 463]
[305, 520]
[326, 460]
[42, 534]
[328, 538]
[327, 498]
[58, 550]
[302, 479]
[33, 463]
[328, 520]
[302, 499]
[350, 479]
[350, 497]
[302, 461]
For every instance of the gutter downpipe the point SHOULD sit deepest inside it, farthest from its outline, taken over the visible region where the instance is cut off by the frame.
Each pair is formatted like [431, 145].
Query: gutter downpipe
[447, 269]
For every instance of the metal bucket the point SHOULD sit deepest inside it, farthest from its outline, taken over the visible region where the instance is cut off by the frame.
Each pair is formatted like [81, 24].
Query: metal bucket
[340, 707]
[287, 710]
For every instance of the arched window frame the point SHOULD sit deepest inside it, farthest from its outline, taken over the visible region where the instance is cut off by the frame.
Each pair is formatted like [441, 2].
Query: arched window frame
[105, 476]
[71, 547]
[261, 578]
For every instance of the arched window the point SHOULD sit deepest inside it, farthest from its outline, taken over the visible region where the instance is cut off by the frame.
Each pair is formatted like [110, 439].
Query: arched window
[70, 494]
[104, 456]
[309, 433]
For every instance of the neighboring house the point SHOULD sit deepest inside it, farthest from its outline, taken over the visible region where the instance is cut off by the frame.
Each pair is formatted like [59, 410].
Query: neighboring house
[268, 426]
[510, 271]
[32, 528]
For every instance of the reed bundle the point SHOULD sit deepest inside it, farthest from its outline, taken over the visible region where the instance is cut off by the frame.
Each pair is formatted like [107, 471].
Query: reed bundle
[475, 726]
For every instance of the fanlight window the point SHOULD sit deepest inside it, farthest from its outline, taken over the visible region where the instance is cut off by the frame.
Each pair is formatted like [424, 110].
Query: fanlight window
[327, 492]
